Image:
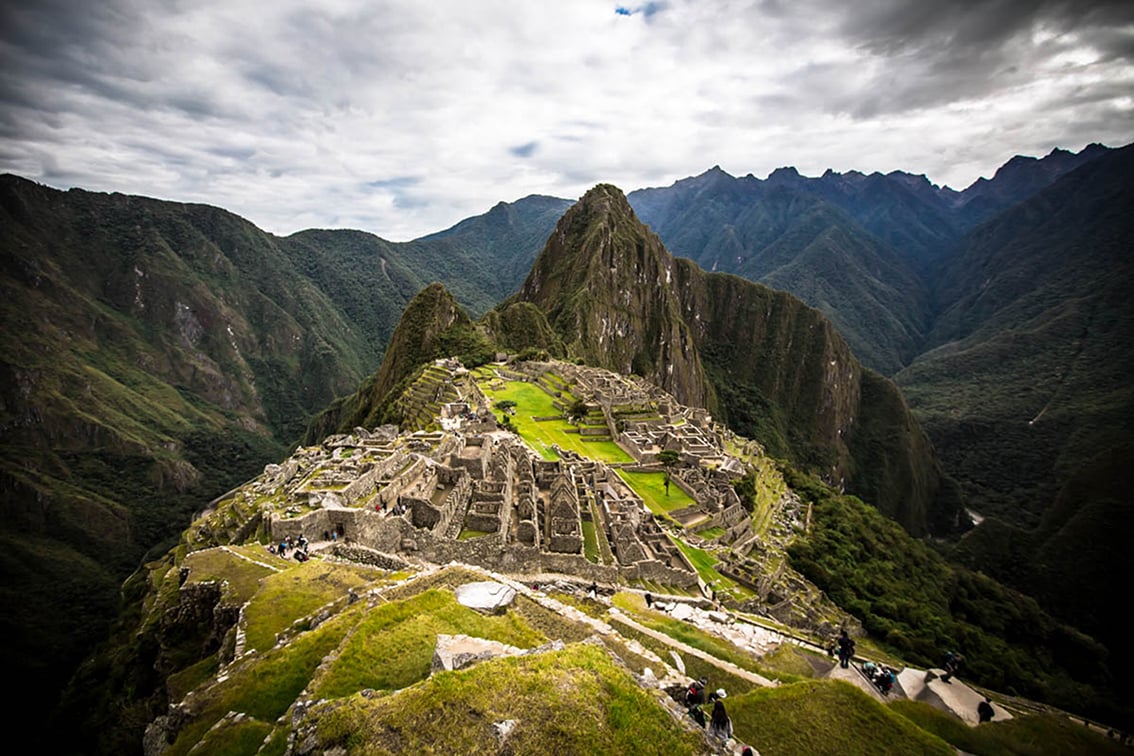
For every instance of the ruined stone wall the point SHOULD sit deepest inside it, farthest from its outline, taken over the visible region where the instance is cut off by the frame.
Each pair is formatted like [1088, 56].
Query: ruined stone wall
[734, 514]
[396, 536]
[364, 555]
[658, 572]
[564, 544]
[314, 524]
[361, 486]
[441, 518]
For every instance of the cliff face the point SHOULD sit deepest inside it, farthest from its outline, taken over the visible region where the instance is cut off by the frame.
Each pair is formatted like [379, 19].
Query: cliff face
[605, 284]
[761, 360]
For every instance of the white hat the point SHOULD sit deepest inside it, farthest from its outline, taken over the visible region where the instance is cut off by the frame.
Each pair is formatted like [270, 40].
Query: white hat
[721, 693]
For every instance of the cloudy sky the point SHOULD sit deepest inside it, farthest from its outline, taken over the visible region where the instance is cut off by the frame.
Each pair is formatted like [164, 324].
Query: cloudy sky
[402, 118]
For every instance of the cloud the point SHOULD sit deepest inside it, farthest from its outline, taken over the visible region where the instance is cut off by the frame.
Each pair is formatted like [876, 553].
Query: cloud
[402, 118]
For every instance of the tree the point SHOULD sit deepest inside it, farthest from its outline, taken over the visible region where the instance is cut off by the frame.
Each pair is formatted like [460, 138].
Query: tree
[577, 411]
[505, 405]
[668, 458]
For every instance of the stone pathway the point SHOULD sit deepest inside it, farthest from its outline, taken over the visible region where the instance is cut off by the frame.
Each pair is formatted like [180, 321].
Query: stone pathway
[729, 667]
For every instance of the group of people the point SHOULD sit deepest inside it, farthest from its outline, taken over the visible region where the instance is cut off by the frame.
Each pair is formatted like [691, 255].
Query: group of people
[882, 677]
[298, 546]
[718, 723]
[398, 509]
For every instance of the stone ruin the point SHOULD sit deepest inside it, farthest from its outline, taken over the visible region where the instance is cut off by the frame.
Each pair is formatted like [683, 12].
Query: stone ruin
[472, 493]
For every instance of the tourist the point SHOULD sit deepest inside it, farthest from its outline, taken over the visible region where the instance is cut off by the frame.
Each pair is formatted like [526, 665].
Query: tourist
[984, 710]
[695, 696]
[846, 649]
[953, 662]
[697, 714]
[719, 723]
[649, 601]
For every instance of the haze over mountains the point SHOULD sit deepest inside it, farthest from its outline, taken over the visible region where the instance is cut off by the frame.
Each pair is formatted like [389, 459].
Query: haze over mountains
[156, 354]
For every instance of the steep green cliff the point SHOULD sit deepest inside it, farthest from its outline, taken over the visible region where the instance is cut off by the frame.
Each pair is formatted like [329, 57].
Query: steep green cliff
[764, 362]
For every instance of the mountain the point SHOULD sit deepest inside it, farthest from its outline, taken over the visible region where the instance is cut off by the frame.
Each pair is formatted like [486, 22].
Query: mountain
[863, 249]
[1017, 180]
[761, 360]
[154, 354]
[501, 244]
[1027, 390]
[433, 326]
[765, 363]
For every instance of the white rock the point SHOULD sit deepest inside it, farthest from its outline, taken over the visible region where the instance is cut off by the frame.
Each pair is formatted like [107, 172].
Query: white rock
[681, 611]
[487, 596]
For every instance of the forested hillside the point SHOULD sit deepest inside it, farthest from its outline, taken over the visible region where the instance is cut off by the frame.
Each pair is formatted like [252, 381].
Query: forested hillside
[156, 354]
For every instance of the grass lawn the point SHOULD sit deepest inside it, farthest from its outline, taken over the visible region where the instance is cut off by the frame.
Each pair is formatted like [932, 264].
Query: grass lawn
[825, 717]
[286, 596]
[651, 487]
[705, 564]
[532, 401]
[577, 700]
[243, 575]
[590, 542]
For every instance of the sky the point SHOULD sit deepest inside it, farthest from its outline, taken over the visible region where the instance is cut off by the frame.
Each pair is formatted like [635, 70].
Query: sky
[402, 118]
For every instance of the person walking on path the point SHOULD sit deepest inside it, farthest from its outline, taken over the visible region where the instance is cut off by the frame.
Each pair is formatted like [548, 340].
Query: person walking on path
[719, 723]
[984, 710]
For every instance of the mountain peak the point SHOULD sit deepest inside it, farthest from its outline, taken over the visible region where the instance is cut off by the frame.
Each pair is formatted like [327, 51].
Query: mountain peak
[785, 173]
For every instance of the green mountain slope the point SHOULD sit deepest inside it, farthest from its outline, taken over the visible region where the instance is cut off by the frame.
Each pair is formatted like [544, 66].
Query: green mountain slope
[153, 355]
[1031, 373]
[1029, 395]
[767, 364]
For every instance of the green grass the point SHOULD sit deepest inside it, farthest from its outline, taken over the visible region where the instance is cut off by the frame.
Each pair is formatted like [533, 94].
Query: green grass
[300, 590]
[266, 686]
[825, 718]
[393, 646]
[467, 534]
[180, 683]
[218, 564]
[590, 542]
[533, 401]
[710, 533]
[1031, 735]
[573, 701]
[651, 487]
[242, 738]
[705, 564]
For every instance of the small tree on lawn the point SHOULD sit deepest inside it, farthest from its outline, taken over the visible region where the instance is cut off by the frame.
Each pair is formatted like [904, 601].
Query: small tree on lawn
[668, 458]
[577, 411]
